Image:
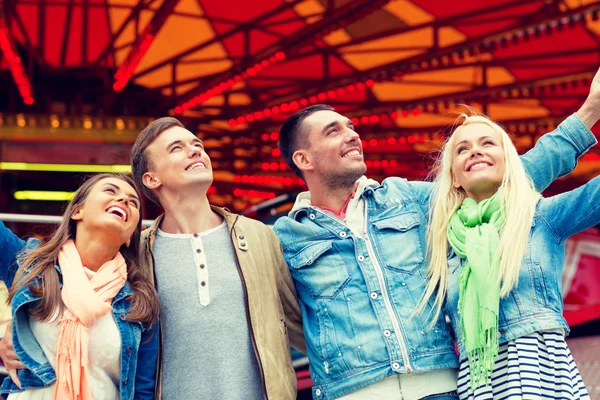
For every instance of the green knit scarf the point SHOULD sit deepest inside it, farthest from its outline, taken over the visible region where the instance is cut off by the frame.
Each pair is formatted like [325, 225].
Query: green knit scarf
[474, 234]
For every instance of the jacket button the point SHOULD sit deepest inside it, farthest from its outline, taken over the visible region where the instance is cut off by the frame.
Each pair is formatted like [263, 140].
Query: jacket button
[361, 258]
[396, 366]
[374, 295]
[242, 237]
[243, 244]
[387, 333]
[122, 316]
[201, 266]
[198, 251]
[342, 234]
[195, 235]
[125, 382]
[129, 349]
[312, 216]
[318, 392]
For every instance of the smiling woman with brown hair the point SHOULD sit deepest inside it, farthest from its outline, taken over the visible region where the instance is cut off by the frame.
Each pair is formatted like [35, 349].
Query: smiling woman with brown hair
[84, 315]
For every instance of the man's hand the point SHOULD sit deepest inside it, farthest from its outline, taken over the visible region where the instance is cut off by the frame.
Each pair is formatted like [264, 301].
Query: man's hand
[9, 357]
[590, 111]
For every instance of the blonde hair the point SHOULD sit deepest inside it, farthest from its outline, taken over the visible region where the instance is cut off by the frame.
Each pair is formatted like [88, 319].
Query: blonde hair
[518, 197]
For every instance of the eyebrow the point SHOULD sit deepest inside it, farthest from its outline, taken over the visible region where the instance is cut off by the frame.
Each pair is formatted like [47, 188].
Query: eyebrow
[348, 122]
[178, 141]
[481, 138]
[118, 188]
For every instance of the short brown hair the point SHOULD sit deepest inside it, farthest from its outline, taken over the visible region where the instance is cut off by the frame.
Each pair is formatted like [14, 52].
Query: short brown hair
[139, 159]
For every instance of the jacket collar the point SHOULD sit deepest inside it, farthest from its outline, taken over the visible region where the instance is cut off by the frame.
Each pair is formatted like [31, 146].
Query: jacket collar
[303, 200]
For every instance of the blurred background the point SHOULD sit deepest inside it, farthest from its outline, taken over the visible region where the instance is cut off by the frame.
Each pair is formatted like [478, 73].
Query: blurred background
[79, 79]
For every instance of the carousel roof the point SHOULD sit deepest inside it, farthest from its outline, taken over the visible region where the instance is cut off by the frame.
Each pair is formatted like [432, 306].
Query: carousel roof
[234, 70]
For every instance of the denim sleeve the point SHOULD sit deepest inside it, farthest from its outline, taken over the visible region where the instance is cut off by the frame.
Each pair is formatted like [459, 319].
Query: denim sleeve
[10, 245]
[145, 378]
[572, 212]
[555, 154]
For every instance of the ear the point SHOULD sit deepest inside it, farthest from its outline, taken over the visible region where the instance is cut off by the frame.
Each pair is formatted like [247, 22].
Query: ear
[455, 182]
[77, 215]
[302, 160]
[150, 180]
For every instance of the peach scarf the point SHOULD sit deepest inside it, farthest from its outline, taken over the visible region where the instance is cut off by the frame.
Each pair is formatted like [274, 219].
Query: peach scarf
[87, 297]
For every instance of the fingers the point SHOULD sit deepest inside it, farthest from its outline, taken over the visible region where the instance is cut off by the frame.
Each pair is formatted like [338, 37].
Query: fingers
[13, 375]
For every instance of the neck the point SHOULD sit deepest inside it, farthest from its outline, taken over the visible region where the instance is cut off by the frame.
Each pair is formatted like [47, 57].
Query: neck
[480, 196]
[188, 213]
[95, 253]
[331, 197]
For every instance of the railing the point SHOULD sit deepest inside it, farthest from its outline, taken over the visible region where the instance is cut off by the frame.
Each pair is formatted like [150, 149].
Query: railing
[44, 219]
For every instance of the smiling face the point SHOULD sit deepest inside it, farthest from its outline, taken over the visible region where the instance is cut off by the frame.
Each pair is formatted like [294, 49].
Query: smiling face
[177, 159]
[112, 206]
[334, 154]
[479, 160]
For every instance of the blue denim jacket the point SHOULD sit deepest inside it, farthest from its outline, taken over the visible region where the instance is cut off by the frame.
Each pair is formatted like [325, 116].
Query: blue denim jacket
[358, 293]
[139, 350]
[536, 303]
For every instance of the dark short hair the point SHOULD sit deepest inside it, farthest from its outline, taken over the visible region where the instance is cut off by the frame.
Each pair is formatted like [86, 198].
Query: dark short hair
[292, 135]
[139, 160]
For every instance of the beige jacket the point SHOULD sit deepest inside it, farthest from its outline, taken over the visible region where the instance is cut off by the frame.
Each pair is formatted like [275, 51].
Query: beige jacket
[273, 312]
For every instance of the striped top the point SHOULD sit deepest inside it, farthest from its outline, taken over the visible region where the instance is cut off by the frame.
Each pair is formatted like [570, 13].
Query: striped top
[535, 366]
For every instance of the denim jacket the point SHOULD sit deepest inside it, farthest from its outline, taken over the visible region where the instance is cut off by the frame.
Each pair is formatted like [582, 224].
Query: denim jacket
[536, 303]
[358, 293]
[139, 350]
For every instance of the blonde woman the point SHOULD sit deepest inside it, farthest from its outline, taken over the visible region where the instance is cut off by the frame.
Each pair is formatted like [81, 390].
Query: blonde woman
[503, 291]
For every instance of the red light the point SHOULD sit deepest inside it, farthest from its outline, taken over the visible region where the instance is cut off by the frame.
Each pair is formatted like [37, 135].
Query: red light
[230, 82]
[250, 118]
[237, 192]
[274, 166]
[404, 113]
[360, 86]
[312, 99]
[392, 141]
[350, 88]
[364, 143]
[394, 115]
[341, 91]
[331, 94]
[364, 119]
[244, 179]
[412, 139]
[240, 120]
[258, 67]
[385, 163]
[232, 122]
[273, 59]
[294, 106]
[354, 121]
[223, 86]
[274, 136]
[185, 106]
[393, 163]
[264, 137]
[251, 71]
[178, 110]
[377, 164]
[373, 142]
[238, 78]
[265, 166]
[265, 63]
[236, 178]
[416, 111]
[322, 96]
[217, 91]
[267, 112]
[285, 107]
[258, 115]
[276, 152]
[282, 166]
[288, 182]
[303, 102]
[370, 83]
[275, 110]
[374, 119]
[402, 140]
[28, 100]
[280, 56]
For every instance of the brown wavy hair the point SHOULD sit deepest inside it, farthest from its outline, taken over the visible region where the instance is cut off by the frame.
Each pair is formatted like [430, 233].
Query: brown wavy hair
[41, 261]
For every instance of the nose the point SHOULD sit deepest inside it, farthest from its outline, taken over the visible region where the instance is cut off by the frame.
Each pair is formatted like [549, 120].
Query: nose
[123, 198]
[351, 135]
[193, 150]
[475, 151]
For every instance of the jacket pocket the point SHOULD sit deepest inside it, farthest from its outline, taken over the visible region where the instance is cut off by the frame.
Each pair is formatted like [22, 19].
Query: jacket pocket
[321, 269]
[398, 242]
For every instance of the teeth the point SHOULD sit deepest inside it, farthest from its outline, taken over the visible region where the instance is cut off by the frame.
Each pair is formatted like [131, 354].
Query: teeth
[352, 153]
[199, 164]
[117, 211]
[478, 165]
